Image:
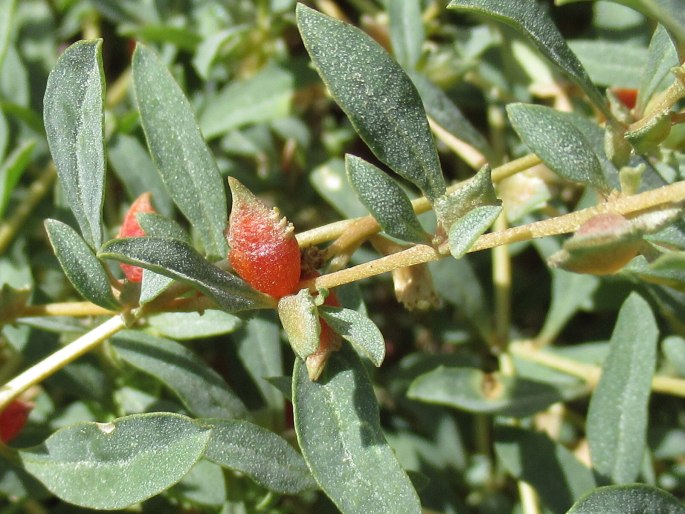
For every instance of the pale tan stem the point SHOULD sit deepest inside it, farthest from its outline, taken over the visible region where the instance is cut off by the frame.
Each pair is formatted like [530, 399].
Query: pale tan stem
[56, 361]
[468, 153]
[74, 309]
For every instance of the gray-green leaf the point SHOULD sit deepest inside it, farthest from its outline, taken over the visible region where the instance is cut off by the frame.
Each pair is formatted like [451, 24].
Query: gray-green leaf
[406, 31]
[73, 114]
[358, 330]
[338, 428]
[526, 17]
[661, 58]
[259, 453]
[557, 141]
[12, 170]
[201, 390]
[378, 97]
[109, 465]
[628, 499]
[80, 265]
[300, 321]
[464, 232]
[618, 414]
[178, 150]
[177, 260]
[385, 200]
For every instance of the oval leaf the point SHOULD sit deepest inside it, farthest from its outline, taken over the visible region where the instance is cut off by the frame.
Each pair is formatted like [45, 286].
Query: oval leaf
[385, 200]
[464, 232]
[378, 97]
[201, 390]
[80, 265]
[628, 499]
[301, 322]
[259, 453]
[618, 414]
[74, 125]
[472, 390]
[533, 456]
[556, 140]
[179, 151]
[358, 330]
[114, 465]
[527, 18]
[338, 428]
[175, 259]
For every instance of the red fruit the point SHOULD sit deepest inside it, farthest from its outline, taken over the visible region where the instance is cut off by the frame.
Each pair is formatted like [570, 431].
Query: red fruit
[263, 248]
[13, 419]
[627, 96]
[131, 228]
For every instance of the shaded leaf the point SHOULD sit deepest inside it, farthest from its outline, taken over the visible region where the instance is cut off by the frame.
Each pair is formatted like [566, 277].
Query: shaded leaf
[177, 260]
[178, 150]
[259, 453]
[73, 114]
[472, 390]
[618, 416]
[674, 351]
[358, 330]
[83, 269]
[201, 389]
[628, 499]
[205, 484]
[338, 428]
[385, 200]
[553, 137]
[12, 170]
[107, 465]
[662, 57]
[533, 457]
[378, 97]
[406, 31]
[527, 18]
[330, 181]
[12, 302]
[193, 325]
[611, 63]
[7, 8]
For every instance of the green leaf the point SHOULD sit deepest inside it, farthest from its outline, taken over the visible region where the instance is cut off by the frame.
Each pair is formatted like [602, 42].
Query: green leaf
[442, 110]
[378, 97]
[477, 192]
[330, 181]
[205, 484]
[259, 349]
[300, 321]
[618, 414]
[385, 200]
[177, 260]
[611, 63]
[259, 453]
[73, 114]
[134, 167]
[527, 18]
[117, 464]
[555, 139]
[264, 97]
[338, 428]
[533, 457]
[7, 9]
[628, 499]
[464, 232]
[661, 58]
[12, 170]
[181, 155]
[674, 351]
[406, 31]
[201, 389]
[358, 330]
[80, 265]
[472, 390]
[193, 325]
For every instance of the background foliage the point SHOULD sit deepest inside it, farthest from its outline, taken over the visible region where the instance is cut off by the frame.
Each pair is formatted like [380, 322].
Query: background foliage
[487, 382]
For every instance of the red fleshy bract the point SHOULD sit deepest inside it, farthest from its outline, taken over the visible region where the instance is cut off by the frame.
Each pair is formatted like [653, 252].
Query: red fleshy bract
[131, 228]
[13, 419]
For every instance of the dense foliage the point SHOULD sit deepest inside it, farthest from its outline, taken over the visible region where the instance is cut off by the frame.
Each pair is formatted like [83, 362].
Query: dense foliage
[453, 279]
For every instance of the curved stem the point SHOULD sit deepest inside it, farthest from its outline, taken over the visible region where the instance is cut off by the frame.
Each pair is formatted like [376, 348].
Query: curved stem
[56, 361]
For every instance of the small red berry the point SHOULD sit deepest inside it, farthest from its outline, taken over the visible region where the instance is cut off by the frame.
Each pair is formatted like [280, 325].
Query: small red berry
[131, 228]
[13, 419]
[263, 248]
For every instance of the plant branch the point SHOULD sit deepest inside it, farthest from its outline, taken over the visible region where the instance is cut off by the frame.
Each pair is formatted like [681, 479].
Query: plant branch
[588, 372]
[56, 361]
[662, 197]
[38, 189]
[74, 309]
